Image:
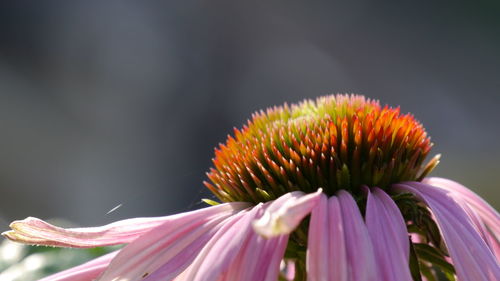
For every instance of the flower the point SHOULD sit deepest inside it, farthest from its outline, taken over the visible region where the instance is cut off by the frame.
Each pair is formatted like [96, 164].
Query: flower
[332, 189]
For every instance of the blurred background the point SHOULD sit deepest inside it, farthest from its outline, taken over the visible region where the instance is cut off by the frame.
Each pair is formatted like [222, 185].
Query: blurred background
[121, 103]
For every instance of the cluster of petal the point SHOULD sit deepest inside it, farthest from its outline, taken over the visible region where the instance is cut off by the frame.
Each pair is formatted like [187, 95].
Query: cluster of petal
[463, 226]
[236, 241]
[214, 243]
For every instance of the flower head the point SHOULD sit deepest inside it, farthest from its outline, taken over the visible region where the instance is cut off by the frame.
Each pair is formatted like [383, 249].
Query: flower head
[336, 142]
[332, 189]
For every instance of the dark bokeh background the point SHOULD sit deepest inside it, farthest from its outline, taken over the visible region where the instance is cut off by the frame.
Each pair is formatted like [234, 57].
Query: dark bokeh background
[122, 102]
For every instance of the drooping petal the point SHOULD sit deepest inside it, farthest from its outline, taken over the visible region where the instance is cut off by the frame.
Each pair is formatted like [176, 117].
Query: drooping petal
[485, 218]
[214, 260]
[337, 246]
[275, 205]
[176, 257]
[259, 259]
[389, 236]
[172, 246]
[272, 270]
[470, 255]
[283, 216]
[173, 259]
[84, 272]
[237, 252]
[486, 232]
[318, 241]
[487, 213]
[361, 262]
[35, 231]
[326, 253]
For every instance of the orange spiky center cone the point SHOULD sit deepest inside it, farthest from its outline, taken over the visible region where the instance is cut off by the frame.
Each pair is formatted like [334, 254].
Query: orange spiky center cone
[336, 142]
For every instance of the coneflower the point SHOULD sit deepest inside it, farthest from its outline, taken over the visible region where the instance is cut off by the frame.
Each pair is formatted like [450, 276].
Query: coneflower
[332, 189]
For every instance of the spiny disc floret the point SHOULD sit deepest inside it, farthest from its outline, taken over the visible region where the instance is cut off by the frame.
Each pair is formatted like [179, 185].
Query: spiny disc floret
[336, 142]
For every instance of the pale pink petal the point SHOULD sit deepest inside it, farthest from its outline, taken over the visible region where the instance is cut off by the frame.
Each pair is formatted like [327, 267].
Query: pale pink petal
[35, 231]
[222, 250]
[389, 236]
[172, 246]
[486, 233]
[283, 216]
[472, 258]
[485, 218]
[236, 271]
[237, 252]
[287, 270]
[275, 205]
[487, 213]
[337, 246]
[277, 255]
[416, 237]
[259, 259]
[318, 241]
[361, 262]
[178, 254]
[326, 253]
[84, 272]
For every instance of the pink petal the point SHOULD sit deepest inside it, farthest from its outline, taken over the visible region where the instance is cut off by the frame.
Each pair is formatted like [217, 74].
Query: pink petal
[222, 250]
[84, 272]
[272, 270]
[485, 218]
[361, 262]
[237, 252]
[470, 255]
[171, 246]
[490, 238]
[174, 258]
[287, 270]
[35, 231]
[269, 261]
[389, 236]
[259, 259]
[317, 241]
[285, 214]
[485, 211]
[337, 246]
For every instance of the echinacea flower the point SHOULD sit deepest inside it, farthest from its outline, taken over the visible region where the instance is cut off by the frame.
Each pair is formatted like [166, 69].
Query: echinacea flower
[332, 189]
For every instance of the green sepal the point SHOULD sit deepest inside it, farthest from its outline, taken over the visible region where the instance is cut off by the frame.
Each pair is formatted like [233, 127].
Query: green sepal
[436, 258]
[427, 272]
[414, 264]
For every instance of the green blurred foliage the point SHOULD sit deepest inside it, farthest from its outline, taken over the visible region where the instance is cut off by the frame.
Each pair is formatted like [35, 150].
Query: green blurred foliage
[20, 262]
